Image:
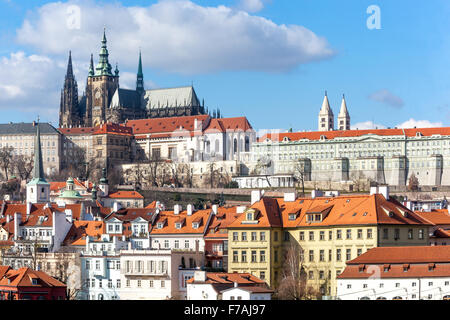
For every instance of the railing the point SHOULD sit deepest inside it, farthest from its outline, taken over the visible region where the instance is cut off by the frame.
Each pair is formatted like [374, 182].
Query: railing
[144, 272]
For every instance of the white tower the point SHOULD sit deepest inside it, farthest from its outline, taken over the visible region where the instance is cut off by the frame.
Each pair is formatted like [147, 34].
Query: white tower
[38, 189]
[343, 117]
[326, 116]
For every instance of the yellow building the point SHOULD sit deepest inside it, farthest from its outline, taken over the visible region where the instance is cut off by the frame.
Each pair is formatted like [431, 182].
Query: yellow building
[255, 243]
[326, 232]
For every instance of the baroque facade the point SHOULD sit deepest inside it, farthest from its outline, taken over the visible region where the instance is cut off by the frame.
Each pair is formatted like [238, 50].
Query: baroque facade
[104, 100]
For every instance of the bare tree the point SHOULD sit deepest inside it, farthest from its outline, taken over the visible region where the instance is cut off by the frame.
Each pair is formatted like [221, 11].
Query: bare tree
[262, 168]
[299, 174]
[359, 180]
[23, 166]
[6, 160]
[413, 183]
[294, 284]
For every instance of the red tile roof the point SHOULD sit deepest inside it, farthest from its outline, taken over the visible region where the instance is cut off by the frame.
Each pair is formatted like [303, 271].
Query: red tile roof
[230, 278]
[396, 271]
[329, 135]
[396, 255]
[267, 213]
[165, 125]
[170, 218]
[113, 128]
[86, 130]
[81, 229]
[23, 278]
[126, 195]
[436, 217]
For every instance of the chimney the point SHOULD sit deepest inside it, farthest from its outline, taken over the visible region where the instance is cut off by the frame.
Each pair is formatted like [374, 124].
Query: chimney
[215, 209]
[200, 276]
[8, 219]
[384, 190]
[241, 209]
[290, 196]
[195, 124]
[373, 190]
[116, 206]
[316, 194]
[235, 284]
[190, 209]
[87, 243]
[17, 221]
[176, 209]
[256, 196]
[69, 215]
[29, 204]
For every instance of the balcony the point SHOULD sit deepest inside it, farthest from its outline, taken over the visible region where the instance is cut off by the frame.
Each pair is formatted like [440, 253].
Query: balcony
[214, 254]
[144, 273]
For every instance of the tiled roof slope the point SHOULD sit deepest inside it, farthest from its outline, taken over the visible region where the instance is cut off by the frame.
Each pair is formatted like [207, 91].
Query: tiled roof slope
[329, 135]
[395, 255]
[170, 219]
[436, 217]
[23, 278]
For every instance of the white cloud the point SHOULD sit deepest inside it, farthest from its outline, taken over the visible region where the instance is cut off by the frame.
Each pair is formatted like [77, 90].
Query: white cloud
[411, 123]
[367, 125]
[251, 5]
[176, 36]
[387, 97]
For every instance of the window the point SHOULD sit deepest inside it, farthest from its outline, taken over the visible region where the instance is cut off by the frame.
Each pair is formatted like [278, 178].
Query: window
[421, 234]
[349, 233]
[275, 256]
[385, 234]
[360, 233]
[286, 236]
[330, 255]
[244, 256]
[254, 236]
[262, 256]
[262, 275]
[322, 235]
[369, 233]
[311, 275]
[110, 283]
[254, 258]
[235, 256]
[88, 264]
[235, 236]
[338, 254]
[262, 236]
[330, 235]
[359, 252]
[396, 234]
[118, 283]
[349, 254]
[275, 236]
[311, 255]
[97, 265]
[311, 236]
[244, 236]
[339, 234]
[163, 284]
[150, 284]
[139, 283]
[322, 255]
[166, 244]
[410, 234]
[302, 235]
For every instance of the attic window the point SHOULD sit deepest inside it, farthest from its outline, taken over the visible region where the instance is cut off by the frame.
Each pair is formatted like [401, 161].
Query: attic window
[386, 267]
[160, 225]
[292, 216]
[419, 134]
[348, 200]
[301, 201]
[34, 282]
[354, 215]
[431, 266]
[365, 214]
[195, 225]
[178, 225]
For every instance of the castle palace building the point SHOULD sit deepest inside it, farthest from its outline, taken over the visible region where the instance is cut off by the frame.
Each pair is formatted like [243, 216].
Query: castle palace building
[104, 101]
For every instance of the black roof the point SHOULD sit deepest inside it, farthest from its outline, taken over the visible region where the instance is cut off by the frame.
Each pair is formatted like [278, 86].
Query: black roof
[26, 128]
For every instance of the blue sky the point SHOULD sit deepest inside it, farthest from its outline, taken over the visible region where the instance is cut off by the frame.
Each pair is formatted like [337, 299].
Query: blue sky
[396, 76]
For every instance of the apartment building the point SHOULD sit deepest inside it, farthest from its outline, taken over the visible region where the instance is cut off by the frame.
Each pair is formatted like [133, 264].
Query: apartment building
[327, 231]
[21, 137]
[397, 273]
[157, 274]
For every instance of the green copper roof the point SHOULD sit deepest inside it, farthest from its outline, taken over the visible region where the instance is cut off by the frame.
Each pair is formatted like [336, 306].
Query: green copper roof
[71, 194]
[140, 75]
[104, 67]
[38, 181]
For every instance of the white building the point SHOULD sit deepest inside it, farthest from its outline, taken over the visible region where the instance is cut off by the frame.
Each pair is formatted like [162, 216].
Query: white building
[157, 274]
[227, 286]
[401, 273]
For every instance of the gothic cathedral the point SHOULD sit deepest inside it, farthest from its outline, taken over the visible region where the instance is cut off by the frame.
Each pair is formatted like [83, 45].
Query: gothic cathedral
[104, 100]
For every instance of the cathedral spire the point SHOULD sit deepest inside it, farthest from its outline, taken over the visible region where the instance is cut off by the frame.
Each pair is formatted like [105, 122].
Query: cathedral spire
[91, 66]
[326, 116]
[38, 169]
[104, 67]
[140, 75]
[69, 73]
[344, 116]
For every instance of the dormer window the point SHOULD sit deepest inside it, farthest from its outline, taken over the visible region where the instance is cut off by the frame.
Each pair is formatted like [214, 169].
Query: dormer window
[195, 225]
[292, 216]
[178, 225]
[249, 216]
[34, 282]
[160, 225]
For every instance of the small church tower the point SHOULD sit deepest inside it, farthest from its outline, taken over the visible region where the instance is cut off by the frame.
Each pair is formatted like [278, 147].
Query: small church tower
[326, 116]
[38, 189]
[140, 77]
[344, 117]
